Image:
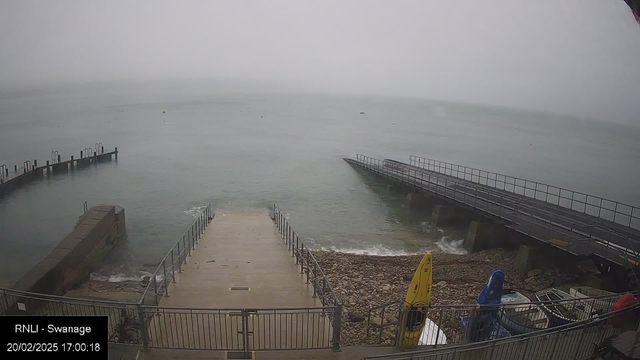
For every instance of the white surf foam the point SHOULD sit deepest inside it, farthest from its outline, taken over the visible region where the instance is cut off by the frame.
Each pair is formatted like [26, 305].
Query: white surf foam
[451, 246]
[195, 211]
[116, 278]
[376, 250]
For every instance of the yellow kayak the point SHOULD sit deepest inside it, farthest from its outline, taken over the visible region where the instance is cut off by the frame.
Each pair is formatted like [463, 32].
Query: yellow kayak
[416, 302]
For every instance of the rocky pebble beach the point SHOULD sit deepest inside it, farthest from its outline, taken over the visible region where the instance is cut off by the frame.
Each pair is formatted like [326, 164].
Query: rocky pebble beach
[365, 281]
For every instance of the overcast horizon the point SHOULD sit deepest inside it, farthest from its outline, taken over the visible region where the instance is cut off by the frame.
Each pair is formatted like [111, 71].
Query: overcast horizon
[577, 58]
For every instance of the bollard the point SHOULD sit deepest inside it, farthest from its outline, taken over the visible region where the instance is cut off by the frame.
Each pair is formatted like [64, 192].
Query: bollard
[15, 168]
[35, 164]
[81, 156]
[59, 157]
[102, 150]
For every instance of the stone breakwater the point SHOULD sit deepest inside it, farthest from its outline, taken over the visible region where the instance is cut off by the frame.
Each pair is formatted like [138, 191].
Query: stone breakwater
[365, 281]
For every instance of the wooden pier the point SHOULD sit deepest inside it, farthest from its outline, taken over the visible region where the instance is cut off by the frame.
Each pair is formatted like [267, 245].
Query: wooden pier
[11, 179]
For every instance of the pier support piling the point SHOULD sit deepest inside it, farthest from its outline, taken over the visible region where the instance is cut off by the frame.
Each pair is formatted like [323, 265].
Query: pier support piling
[422, 201]
[482, 236]
[443, 215]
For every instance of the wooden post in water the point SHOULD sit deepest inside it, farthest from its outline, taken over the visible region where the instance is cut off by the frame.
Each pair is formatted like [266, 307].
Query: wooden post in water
[116, 153]
[59, 157]
[81, 156]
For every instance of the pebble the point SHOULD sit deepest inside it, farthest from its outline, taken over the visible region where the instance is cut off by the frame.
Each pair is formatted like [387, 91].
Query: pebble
[365, 281]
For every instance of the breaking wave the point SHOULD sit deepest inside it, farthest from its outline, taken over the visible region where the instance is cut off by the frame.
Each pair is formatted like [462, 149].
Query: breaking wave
[116, 278]
[377, 250]
[451, 246]
[195, 211]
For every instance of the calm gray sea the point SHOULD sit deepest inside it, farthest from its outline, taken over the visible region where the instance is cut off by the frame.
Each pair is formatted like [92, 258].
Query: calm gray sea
[241, 150]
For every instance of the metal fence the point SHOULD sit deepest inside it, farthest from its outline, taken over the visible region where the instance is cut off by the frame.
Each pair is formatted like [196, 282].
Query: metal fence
[571, 341]
[158, 285]
[242, 330]
[610, 210]
[459, 324]
[192, 328]
[576, 238]
[123, 317]
[304, 257]
[152, 326]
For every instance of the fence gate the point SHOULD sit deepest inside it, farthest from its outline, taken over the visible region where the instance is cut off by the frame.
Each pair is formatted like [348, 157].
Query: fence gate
[239, 331]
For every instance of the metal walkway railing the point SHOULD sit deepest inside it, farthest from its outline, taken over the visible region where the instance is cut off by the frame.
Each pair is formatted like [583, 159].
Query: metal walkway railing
[158, 285]
[304, 257]
[461, 323]
[609, 210]
[573, 234]
[568, 342]
[150, 325]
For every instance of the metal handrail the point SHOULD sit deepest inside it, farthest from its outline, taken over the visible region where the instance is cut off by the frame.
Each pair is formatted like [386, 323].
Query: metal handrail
[305, 258]
[442, 312]
[513, 213]
[575, 227]
[189, 240]
[476, 175]
[564, 329]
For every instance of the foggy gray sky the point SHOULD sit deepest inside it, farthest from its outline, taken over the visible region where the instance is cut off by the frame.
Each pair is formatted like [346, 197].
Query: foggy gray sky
[579, 57]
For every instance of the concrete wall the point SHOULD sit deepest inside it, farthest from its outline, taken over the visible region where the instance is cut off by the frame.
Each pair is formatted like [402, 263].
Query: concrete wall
[78, 254]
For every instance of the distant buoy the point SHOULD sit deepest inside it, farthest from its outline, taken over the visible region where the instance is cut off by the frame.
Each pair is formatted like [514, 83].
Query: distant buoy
[163, 111]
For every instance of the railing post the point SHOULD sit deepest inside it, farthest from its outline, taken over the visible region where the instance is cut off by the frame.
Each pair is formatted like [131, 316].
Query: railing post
[302, 260]
[315, 278]
[142, 319]
[173, 265]
[185, 252]
[164, 279]
[155, 288]
[308, 263]
[337, 327]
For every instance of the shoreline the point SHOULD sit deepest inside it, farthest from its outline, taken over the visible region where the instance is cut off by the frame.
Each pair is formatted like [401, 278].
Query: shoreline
[364, 281]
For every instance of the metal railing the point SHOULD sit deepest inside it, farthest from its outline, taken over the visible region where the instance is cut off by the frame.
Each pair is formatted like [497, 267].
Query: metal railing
[571, 341]
[242, 329]
[304, 257]
[580, 240]
[158, 285]
[123, 317]
[147, 324]
[190, 328]
[459, 324]
[610, 210]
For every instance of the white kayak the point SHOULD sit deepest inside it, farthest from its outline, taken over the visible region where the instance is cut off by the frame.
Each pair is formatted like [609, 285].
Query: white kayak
[432, 333]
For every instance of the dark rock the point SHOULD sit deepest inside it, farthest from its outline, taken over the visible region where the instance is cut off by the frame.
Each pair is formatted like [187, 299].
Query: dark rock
[534, 272]
[353, 317]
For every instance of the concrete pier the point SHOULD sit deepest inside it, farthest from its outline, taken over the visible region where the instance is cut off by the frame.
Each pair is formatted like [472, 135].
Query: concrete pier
[240, 264]
[240, 250]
